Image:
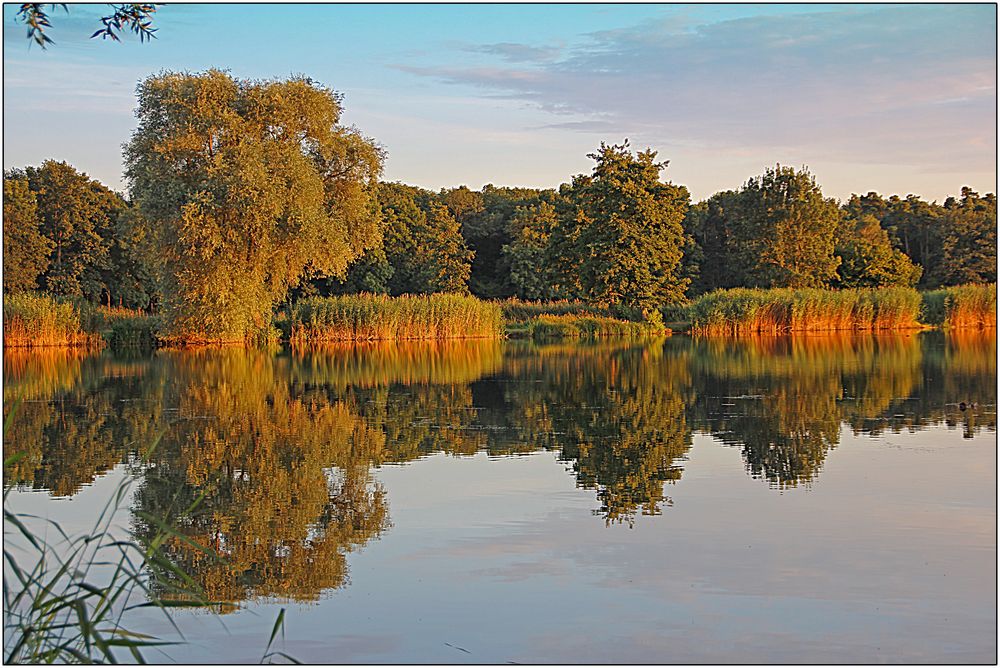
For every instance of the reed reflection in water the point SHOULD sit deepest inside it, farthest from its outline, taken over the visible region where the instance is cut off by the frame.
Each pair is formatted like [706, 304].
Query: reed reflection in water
[264, 461]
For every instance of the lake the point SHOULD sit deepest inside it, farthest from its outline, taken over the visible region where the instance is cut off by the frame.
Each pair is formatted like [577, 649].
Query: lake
[777, 499]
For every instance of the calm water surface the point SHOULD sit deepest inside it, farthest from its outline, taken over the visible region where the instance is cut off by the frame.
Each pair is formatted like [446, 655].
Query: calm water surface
[809, 499]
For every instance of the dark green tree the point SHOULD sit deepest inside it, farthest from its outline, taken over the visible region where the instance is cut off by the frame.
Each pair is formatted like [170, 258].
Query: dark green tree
[969, 240]
[445, 263]
[79, 216]
[785, 229]
[624, 232]
[526, 255]
[486, 220]
[422, 242]
[714, 260]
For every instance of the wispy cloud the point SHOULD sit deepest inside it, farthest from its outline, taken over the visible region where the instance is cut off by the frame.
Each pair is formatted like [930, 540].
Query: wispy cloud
[899, 84]
[518, 53]
[39, 85]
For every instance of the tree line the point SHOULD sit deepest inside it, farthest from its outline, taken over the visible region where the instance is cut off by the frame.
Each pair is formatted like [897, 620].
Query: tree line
[245, 194]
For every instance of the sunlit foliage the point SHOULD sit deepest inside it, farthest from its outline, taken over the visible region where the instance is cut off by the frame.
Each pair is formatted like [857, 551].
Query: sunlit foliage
[25, 249]
[242, 187]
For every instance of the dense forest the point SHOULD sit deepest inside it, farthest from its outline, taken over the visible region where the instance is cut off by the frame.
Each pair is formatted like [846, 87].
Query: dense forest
[246, 195]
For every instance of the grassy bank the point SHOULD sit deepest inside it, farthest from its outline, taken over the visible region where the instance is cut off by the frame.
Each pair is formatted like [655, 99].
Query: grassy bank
[972, 306]
[547, 327]
[753, 311]
[519, 312]
[367, 317]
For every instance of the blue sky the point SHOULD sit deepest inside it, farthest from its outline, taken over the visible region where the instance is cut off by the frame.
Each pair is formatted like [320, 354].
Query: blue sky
[894, 98]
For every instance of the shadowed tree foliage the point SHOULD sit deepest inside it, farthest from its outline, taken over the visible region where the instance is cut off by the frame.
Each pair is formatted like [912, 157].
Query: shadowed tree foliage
[244, 186]
[969, 240]
[486, 219]
[445, 263]
[25, 249]
[867, 258]
[526, 255]
[424, 251]
[953, 244]
[714, 260]
[79, 216]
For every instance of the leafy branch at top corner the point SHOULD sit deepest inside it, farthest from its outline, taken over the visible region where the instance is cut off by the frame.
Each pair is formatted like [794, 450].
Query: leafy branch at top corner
[132, 17]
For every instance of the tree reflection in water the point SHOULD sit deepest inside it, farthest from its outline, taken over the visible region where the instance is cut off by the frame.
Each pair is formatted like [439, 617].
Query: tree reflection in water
[264, 461]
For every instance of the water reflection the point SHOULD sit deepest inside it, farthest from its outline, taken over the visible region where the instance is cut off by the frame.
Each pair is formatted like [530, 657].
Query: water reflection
[263, 461]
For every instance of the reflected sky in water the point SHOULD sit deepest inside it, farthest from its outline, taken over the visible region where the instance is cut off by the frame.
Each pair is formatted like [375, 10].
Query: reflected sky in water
[684, 500]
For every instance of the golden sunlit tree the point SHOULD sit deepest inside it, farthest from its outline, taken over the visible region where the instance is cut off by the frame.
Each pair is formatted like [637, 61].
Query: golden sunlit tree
[243, 187]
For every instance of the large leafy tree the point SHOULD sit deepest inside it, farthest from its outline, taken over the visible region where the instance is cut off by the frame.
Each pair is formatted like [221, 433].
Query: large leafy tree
[245, 186]
[445, 262]
[954, 243]
[25, 249]
[785, 229]
[79, 216]
[623, 231]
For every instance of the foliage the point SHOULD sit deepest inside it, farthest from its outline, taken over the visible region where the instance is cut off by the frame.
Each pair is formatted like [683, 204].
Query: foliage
[57, 611]
[969, 240]
[489, 224]
[78, 215]
[423, 246]
[67, 599]
[527, 254]
[622, 237]
[518, 311]
[963, 306]
[954, 243]
[367, 317]
[25, 249]
[867, 258]
[784, 230]
[243, 187]
[715, 259]
[444, 261]
[131, 16]
[38, 320]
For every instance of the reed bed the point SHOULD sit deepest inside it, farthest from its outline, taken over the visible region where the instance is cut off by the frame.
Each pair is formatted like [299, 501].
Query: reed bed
[517, 311]
[753, 311]
[369, 317]
[972, 306]
[39, 320]
[590, 327]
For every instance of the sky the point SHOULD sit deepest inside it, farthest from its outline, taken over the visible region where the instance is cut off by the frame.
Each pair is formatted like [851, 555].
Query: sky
[898, 99]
